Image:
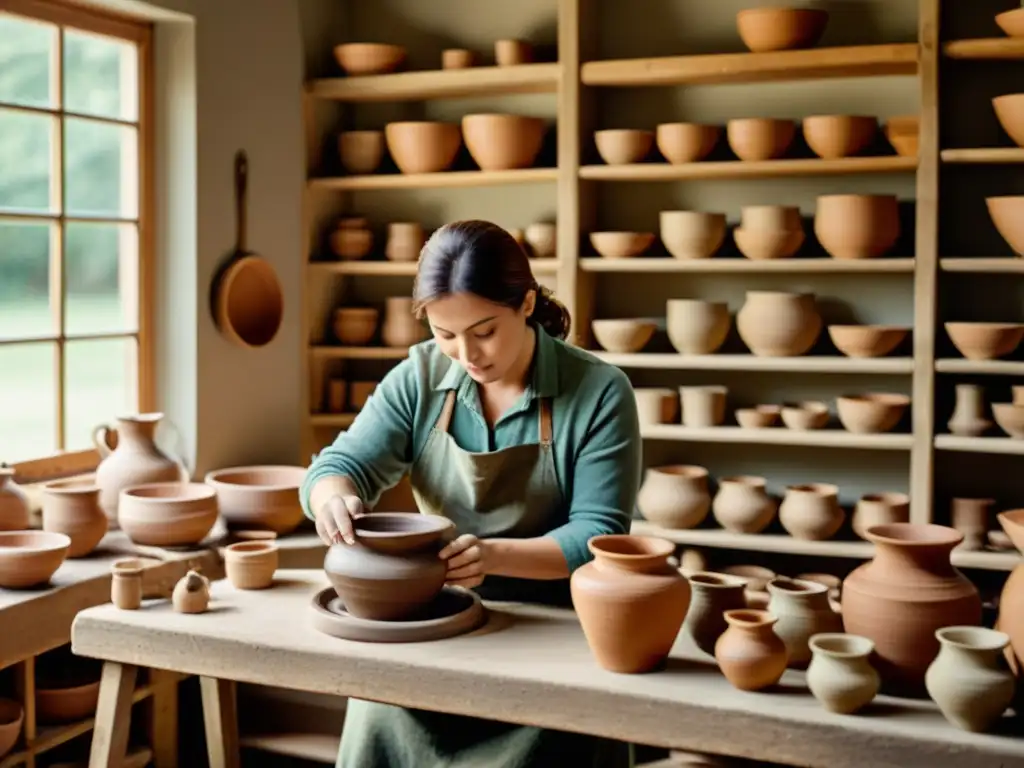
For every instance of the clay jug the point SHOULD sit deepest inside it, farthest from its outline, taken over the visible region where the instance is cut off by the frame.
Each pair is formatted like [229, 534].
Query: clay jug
[901, 597]
[400, 327]
[811, 511]
[135, 461]
[712, 594]
[675, 496]
[392, 570]
[742, 504]
[968, 679]
[840, 675]
[72, 507]
[802, 609]
[14, 508]
[778, 324]
[749, 653]
[968, 419]
[630, 601]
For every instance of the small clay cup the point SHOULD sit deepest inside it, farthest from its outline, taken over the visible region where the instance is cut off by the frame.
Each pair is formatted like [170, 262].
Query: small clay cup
[251, 564]
[126, 584]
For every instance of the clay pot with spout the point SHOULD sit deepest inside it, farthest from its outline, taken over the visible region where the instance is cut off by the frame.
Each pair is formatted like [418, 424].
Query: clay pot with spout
[712, 594]
[802, 609]
[742, 504]
[136, 460]
[401, 328]
[968, 679]
[630, 601]
[751, 656]
[811, 511]
[779, 324]
[14, 509]
[675, 496]
[72, 507]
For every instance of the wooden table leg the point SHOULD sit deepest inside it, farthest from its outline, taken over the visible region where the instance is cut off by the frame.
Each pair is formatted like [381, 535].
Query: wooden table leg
[113, 716]
[220, 716]
[163, 718]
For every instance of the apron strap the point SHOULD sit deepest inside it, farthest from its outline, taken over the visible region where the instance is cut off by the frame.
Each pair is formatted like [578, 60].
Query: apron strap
[546, 421]
[445, 419]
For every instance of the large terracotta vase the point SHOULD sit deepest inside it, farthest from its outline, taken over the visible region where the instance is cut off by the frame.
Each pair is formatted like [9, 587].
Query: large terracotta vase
[901, 597]
[14, 510]
[630, 601]
[779, 324]
[675, 496]
[135, 461]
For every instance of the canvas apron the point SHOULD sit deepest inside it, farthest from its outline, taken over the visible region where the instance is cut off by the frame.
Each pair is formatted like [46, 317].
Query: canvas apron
[510, 493]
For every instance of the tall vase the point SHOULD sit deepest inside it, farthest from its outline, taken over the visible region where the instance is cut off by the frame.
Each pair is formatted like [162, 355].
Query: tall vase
[14, 509]
[903, 596]
[630, 601]
[968, 419]
[135, 461]
[968, 679]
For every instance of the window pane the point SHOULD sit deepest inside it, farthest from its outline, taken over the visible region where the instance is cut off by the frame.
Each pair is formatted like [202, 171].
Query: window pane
[99, 385]
[28, 390]
[27, 55]
[25, 307]
[27, 175]
[101, 278]
[101, 169]
[100, 76]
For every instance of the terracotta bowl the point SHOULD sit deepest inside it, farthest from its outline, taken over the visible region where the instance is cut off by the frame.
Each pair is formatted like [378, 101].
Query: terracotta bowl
[167, 514]
[657, 405]
[902, 132]
[67, 703]
[355, 326]
[1010, 418]
[361, 151]
[857, 226]
[623, 335]
[771, 218]
[621, 146]
[1009, 111]
[251, 564]
[1012, 522]
[759, 244]
[867, 340]
[871, 413]
[621, 245]
[1007, 214]
[458, 58]
[423, 146]
[12, 716]
[760, 138]
[802, 416]
[30, 558]
[780, 29]
[758, 417]
[686, 142]
[369, 58]
[349, 243]
[262, 497]
[1011, 22]
[985, 341]
[833, 136]
[542, 238]
[503, 142]
[692, 234]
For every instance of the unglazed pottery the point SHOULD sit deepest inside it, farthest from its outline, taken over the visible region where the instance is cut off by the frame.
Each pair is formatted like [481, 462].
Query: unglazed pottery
[621, 245]
[499, 142]
[621, 146]
[802, 416]
[1011, 599]
[751, 656]
[405, 240]
[857, 226]
[352, 239]
[780, 29]
[126, 584]
[259, 497]
[392, 570]
[458, 58]
[355, 326]
[675, 496]
[972, 518]
[630, 601]
[1009, 109]
[400, 327]
[703, 405]
[542, 238]
[840, 675]
[871, 413]
[811, 511]
[834, 136]
[14, 509]
[512, 52]
[879, 509]
[191, 594]
[903, 132]
[1011, 22]
[742, 504]
[691, 234]
[802, 609]
[656, 405]
[251, 564]
[1007, 214]
[30, 558]
[1010, 418]
[968, 418]
[58, 702]
[686, 142]
[712, 594]
[901, 597]
[369, 58]
[423, 147]
[696, 326]
[12, 716]
[623, 335]
[985, 341]
[778, 324]
[968, 679]
[758, 417]
[72, 507]
[867, 340]
[168, 514]
[760, 138]
[361, 151]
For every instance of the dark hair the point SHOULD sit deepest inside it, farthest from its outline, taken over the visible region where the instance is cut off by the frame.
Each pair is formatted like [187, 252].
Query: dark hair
[481, 258]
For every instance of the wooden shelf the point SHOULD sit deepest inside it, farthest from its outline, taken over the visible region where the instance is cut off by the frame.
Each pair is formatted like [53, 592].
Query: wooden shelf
[340, 420]
[818, 364]
[442, 180]
[985, 48]
[314, 747]
[714, 265]
[999, 264]
[982, 367]
[1004, 445]
[439, 84]
[984, 155]
[777, 66]
[821, 438]
[403, 268]
[749, 169]
[358, 353]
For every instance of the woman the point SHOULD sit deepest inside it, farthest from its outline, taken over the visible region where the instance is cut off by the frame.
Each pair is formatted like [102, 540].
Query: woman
[529, 445]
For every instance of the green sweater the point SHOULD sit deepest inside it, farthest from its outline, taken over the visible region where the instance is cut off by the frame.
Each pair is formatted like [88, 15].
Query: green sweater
[597, 446]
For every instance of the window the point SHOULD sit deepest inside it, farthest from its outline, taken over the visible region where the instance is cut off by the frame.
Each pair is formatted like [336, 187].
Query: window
[75, 230]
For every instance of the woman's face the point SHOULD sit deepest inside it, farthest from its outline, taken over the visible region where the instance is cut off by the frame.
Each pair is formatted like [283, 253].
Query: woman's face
[485, 338]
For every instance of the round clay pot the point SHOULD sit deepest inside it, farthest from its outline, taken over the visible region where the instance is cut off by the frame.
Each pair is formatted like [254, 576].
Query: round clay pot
[811, 511]
[712, 595]
[760, 138]
[901, 597]
[758, 417]
[126, 583]
[675, 496]
[630, 601]
[780, 29]
[969, 680]
[503, 142]
[871, 413]
[14, 507]
[458, 58]
[405, 240]
[692, 234]
[1007, 214]
[72, 507]
[756, 577]
[857, 226]
[355, 326]
[770, 218]
[168, 514]
[778, 324]
[1009, 111]
[985, 341]
[742, 504]
[703, 405]
[361, 151]
[621, 245]
[867, 340]
[840, 675]
[251, 564]
[1010, 418]
[802, 416]
[623, 335]
[542, 238]
[369, 58]
[686, 142]
[349, 243]
[879, 509]
[834, 136]
[622, 146]
[973, 518]
[510, 53]
[392, 571]
[903, 132]
[12, 716]
[760, 244]
[422, 146]
[259, 497]
[656, 405]
[695, 326]
[751, 656]
[802, 609]
[30, 558]
[400, 327]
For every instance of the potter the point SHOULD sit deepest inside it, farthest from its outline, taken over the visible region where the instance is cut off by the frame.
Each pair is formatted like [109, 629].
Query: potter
[528, 445]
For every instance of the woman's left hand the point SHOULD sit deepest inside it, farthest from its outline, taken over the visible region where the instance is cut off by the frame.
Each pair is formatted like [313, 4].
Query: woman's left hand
[468, 560]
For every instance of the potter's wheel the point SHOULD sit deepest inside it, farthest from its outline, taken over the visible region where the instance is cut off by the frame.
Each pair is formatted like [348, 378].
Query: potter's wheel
[454, 611]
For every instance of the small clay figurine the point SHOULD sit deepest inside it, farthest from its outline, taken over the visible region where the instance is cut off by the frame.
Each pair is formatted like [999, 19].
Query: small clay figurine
[191, 593]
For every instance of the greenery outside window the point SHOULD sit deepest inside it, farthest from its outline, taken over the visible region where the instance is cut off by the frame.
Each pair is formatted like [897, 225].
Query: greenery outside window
[75, 231]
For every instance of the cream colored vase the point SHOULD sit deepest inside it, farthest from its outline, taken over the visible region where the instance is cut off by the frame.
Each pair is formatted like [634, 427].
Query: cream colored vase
[840, 675]
[779, 324]
[968, 679]
[802, 609]
[675, 496]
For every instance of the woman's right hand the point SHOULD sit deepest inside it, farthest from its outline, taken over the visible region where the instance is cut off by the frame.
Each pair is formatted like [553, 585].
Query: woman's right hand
[334, 519]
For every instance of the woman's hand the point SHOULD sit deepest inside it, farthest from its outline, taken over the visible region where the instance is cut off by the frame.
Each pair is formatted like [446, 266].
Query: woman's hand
[469, 560]
[334, 519]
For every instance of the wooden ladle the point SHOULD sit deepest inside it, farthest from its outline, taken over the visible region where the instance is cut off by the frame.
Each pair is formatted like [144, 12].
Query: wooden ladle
[247, 300]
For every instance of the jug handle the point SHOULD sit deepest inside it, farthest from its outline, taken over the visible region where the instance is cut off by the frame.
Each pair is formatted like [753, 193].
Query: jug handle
[99, 439]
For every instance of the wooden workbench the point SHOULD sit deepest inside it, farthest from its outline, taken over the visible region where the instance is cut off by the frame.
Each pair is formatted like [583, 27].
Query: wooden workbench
[527, 665]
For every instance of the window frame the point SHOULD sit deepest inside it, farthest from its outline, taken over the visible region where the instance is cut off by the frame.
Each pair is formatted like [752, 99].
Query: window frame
[138, 31]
